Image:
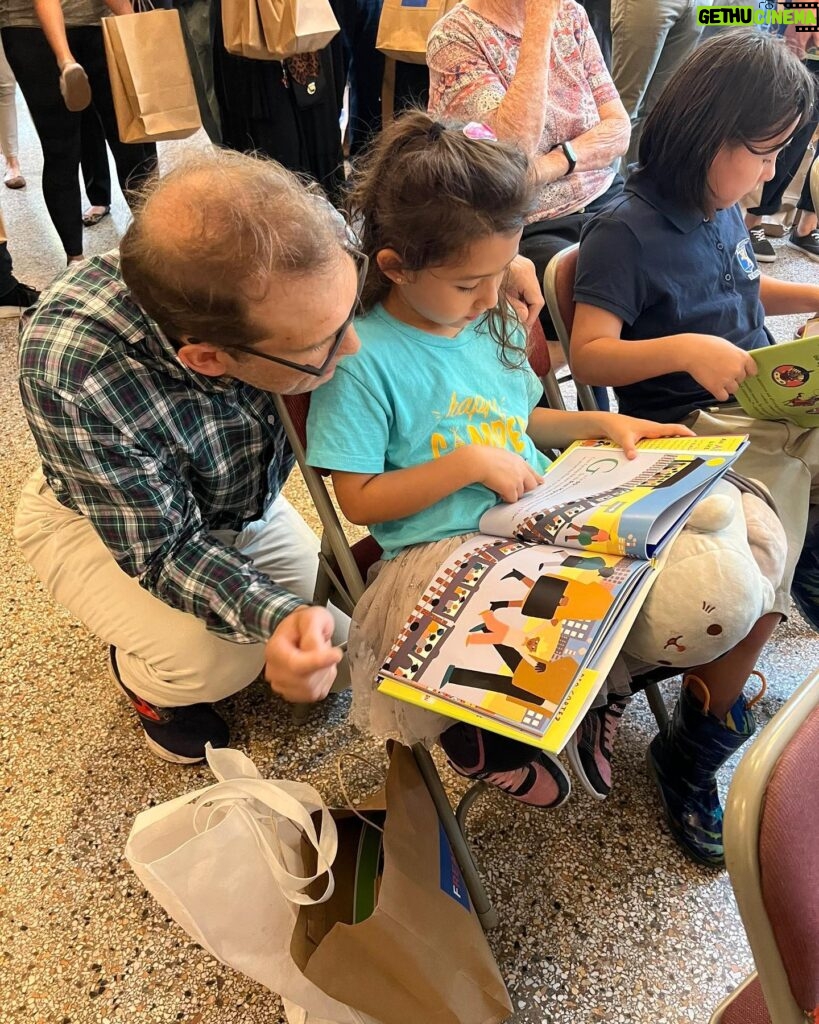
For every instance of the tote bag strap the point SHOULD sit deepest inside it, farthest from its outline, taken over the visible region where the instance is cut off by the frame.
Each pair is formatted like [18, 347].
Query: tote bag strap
[267, 805]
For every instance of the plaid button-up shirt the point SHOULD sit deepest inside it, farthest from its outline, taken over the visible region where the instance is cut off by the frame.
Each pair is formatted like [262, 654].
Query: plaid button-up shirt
[155, 456]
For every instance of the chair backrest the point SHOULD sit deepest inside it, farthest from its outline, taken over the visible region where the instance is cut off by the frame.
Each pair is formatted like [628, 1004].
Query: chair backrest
[558, 290]
[345, 565]
[541, 362]
[772, 853]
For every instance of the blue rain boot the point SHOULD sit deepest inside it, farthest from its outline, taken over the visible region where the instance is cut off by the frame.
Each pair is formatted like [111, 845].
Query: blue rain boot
[684, 760]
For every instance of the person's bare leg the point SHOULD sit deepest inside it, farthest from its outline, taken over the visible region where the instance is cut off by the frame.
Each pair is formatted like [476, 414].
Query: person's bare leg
[726, 676]
[806, 221]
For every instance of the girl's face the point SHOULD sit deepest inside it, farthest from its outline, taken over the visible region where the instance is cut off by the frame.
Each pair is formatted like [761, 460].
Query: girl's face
[737, 169]
[443, 300]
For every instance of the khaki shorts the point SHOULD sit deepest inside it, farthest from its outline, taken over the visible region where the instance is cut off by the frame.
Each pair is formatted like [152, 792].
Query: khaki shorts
[782, 457]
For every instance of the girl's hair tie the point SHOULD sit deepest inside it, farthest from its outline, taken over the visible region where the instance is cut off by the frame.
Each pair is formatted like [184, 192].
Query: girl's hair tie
[436, 130]
[479, 132]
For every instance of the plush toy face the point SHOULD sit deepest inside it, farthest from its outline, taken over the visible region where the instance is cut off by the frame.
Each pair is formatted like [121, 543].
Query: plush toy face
[711, 590]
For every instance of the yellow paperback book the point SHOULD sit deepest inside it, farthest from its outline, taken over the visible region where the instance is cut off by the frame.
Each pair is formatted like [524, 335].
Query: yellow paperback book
[521, 625]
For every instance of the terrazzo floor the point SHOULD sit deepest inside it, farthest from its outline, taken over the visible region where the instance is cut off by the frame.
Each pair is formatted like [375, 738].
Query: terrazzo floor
[602, 919]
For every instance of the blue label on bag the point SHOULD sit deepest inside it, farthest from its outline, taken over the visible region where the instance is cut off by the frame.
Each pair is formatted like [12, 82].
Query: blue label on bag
[452, 881]
[414, 3]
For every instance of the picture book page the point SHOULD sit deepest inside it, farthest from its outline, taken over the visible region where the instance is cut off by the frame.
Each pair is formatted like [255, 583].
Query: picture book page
[505, 630]
[594, 498]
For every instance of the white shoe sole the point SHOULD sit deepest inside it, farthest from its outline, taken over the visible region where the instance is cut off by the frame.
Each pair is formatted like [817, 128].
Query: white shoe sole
[166, 755]
[765, 259]
[152, 745]
[810, 255]
[580, 775]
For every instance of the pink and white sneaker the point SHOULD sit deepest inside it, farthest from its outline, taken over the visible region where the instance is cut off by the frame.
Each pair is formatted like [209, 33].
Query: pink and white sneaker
[591, 747]
[540, 781]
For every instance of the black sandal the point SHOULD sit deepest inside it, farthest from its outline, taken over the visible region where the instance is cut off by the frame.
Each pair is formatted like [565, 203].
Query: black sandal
[90, 219]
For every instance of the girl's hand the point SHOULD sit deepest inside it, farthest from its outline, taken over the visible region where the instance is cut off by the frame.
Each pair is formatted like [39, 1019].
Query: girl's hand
[627, 431]
[502, 471]
[715, 363]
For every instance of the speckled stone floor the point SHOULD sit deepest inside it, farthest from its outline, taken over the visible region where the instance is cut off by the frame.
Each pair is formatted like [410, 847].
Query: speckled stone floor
[602, 919]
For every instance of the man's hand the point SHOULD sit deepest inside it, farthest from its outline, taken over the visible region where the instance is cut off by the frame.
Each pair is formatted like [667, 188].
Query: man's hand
[718, 365]
[523, 291]
[502, 471]
[300, 660]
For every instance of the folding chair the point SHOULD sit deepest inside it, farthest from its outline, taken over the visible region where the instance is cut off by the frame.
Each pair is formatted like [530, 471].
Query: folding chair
[558, 290]
[771, 834]
[341, 579]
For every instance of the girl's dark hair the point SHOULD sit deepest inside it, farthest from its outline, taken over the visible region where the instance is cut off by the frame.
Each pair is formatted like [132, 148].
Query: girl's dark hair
[428, 191]
[739, 88]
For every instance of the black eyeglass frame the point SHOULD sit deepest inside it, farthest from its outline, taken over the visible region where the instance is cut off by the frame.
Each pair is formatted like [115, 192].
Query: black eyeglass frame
[363, 263]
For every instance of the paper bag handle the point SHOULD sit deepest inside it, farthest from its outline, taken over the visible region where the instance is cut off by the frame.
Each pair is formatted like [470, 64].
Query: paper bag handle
[285, 802]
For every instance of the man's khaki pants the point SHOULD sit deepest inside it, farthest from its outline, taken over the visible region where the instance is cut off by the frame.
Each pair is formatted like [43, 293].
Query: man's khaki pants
[165, 656]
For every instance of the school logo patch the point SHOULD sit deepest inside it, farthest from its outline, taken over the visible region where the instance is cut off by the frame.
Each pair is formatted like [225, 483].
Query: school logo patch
[746, 260]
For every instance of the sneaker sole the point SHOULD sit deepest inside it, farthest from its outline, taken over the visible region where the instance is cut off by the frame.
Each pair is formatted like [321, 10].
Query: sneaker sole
[574, 760]
[155, 748]
[804, 252]
[166, 755]
[673, 828]
[765, 259]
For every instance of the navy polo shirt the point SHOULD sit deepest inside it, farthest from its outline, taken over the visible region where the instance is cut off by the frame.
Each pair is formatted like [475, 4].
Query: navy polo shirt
[665, 270]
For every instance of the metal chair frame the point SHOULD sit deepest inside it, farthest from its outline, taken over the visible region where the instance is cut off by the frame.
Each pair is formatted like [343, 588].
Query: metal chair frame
[339, 580]
[744, 810]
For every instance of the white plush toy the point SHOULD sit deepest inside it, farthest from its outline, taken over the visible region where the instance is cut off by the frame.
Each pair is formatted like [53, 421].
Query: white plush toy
[720, 577]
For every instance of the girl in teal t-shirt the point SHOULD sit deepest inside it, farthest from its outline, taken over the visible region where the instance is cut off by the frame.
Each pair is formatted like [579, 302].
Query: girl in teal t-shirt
[435, 419]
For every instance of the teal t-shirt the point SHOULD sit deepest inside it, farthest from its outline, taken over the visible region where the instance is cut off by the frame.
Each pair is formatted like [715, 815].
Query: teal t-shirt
[408, 397]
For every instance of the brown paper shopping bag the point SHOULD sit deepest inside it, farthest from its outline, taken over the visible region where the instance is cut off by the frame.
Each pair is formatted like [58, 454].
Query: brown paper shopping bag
[242, 30]
[151, 81]
[405, 26]
[417, 952]
[297, 26]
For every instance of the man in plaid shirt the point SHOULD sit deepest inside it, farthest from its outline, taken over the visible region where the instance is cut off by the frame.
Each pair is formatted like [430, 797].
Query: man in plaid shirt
[147, 376]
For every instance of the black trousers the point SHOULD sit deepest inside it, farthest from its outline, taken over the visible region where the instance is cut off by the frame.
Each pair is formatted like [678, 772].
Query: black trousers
[60, 131]
[94, 158]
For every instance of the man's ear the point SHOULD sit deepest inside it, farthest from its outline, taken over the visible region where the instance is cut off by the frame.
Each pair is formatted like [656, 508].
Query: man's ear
[202, 357]
[390, 265]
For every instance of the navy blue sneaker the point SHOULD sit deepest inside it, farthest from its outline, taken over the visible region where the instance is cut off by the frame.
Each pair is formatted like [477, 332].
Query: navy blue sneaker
[179, 734]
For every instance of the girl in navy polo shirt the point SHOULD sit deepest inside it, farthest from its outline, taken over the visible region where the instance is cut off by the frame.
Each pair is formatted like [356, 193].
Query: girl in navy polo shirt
[670, 302]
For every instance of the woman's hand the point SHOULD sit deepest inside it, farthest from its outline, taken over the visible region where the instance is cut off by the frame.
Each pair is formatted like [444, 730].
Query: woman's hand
[627, 430]
[523, 291]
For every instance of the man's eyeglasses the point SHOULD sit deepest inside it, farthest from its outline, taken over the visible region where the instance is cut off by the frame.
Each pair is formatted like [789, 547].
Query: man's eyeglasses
[362, 263]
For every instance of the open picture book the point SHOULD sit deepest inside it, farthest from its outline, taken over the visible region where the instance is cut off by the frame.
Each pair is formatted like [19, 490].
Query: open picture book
[787, 385]
[521, 625]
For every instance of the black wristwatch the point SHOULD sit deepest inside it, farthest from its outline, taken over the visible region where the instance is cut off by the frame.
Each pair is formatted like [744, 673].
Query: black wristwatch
[571, 156]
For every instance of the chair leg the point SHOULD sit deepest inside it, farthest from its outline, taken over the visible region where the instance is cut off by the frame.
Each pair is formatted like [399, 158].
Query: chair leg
[657, 705]
[469, 798]
[487, 914]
